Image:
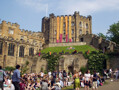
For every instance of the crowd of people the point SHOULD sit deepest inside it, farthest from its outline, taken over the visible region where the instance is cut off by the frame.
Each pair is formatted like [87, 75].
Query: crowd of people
[53, 80]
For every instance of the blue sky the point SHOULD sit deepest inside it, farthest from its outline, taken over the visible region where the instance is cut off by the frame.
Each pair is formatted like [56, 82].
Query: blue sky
[29, 13]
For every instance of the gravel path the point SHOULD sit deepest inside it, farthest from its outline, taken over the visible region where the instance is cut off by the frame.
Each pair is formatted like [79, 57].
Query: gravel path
[109, 86]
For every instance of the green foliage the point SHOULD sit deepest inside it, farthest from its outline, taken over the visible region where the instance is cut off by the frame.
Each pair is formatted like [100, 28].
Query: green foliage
[9, 68]
[83, 69]
[45, 72]
[52, 61]
[102, 35]
[96, 61]
[113, 33]
[24, 68]
[82, 48]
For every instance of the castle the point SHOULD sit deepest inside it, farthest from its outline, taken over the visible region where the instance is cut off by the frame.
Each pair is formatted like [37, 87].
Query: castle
[17, 46]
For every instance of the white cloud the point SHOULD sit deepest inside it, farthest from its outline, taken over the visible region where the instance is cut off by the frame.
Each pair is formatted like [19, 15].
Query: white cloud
[69, 6]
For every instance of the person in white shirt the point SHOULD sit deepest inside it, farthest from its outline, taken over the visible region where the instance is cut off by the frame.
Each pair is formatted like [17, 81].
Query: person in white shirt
[49, 74]
[87, 79]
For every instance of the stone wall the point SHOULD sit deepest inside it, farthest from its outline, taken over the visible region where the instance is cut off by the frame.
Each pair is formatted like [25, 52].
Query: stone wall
[66, 44]
[99, 43]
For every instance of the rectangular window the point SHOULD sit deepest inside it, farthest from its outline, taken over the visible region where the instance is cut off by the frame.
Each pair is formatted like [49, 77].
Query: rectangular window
[72, 31]
[31, 51]
[1, 47]
[21, 51]
[11, 49]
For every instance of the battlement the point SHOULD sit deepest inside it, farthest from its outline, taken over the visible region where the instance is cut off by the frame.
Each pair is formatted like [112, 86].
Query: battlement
[52, 15]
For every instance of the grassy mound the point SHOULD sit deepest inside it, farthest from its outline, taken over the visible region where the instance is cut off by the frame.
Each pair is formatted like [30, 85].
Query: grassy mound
[70, 49]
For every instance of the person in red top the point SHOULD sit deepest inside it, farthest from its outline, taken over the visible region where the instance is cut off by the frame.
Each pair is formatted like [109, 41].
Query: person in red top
[22, 85]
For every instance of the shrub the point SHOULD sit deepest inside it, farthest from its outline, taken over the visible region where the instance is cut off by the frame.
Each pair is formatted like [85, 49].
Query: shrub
[83, 69]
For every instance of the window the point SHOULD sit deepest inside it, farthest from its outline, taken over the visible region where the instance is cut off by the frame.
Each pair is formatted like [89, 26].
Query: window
[72, 31]
[86, 26]
[72, 24]
[81, 39]
[80, 31]
[64, 39]
[11, 49]
[80, 24]
[86, 32]
[72, 39]
[64, 31]
[11, 31]
[64, 24]
[1, 47]
[55, 32]
[31, 51]
[21, 51]
[0, 29]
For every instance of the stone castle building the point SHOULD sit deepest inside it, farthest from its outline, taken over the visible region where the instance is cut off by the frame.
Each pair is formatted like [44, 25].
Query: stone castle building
[15, 43]
[58, 29]
[18, 46]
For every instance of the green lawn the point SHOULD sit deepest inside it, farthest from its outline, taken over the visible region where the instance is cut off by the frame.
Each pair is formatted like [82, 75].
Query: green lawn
[82, 48]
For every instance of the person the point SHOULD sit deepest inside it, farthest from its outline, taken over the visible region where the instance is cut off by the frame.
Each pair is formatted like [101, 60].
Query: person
[95, 81]
[54, 74]
[87, 77]
[64, 77]
[76, 81]
[117, 74]
[2, 76]
[16, 78]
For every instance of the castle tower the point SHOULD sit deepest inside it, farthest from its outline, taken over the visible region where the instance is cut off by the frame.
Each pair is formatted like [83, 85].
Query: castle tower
[59, 29]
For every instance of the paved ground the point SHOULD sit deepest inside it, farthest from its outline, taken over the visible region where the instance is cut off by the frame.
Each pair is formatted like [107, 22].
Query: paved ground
[109, 86]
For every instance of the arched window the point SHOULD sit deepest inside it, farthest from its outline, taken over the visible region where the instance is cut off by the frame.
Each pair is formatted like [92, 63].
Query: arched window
[11, 49]
[1, 47]
[86, 26]
[80, 31]
[80, 24]
[21, 51]
[31, 51]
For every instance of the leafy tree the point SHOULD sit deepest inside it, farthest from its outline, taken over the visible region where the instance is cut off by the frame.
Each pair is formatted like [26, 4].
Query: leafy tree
[9, 68]
[113, 33]
[24, 68]
[102, 35]
[96, 61]
[52, 61]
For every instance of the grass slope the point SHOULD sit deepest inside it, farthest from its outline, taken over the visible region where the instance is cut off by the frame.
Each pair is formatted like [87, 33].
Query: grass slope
[82, 48]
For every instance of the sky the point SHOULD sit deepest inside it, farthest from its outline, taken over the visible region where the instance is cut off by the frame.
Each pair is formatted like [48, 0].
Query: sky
[29, 13]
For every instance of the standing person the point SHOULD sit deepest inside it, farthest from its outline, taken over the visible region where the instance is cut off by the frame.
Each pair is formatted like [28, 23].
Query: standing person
[87, 77]
[95, 76]
[76, 81]
[54, 74]
[64, 77]
[2, 76]
[16, 78]
[117, 74]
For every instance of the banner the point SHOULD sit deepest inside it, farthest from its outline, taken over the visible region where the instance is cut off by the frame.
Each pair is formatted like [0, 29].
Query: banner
[57, 30]
[66, 28]
[61, 28]
[70, 37]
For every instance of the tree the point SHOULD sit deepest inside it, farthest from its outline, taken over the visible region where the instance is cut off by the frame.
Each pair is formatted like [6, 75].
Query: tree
[52, 61]
[96, 61]
[113, 33]
[24, 68]
[102, 35]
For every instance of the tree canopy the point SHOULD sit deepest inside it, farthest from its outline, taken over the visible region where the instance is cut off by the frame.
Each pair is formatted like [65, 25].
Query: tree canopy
[113, 33]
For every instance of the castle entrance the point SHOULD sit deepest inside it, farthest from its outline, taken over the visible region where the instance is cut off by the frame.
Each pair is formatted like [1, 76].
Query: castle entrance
[70, 69]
